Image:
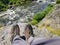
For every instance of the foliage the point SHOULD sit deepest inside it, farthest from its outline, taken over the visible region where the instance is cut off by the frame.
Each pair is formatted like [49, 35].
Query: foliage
[33, 22]
[40, 15]
[57, 1]
[2, 6]
[4, 3]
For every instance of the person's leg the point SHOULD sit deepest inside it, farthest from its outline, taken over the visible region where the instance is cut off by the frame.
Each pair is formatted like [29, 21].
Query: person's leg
[17, 37]
[18, 41]
[14, 32]
[13, 37]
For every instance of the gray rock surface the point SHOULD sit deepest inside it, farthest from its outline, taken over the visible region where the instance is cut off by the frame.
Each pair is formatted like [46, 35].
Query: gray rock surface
[5, 33]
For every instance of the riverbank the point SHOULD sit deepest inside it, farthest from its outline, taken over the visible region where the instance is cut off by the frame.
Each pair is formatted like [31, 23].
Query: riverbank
[41, 14]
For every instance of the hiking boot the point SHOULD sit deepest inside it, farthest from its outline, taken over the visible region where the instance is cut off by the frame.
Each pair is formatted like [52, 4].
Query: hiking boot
[15, 31]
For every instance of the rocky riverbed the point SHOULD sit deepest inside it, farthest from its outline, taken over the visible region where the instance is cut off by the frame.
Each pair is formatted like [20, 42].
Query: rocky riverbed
[21, 13]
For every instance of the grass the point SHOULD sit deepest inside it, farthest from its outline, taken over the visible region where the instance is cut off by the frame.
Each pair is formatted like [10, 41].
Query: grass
[33, 22]
[53, 31]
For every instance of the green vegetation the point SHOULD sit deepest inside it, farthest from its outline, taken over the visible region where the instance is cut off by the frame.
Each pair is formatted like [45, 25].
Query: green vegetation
[40, 15]
[20, 2]
[33, 22]
[57, 1]
[4, 4]
[53, 31]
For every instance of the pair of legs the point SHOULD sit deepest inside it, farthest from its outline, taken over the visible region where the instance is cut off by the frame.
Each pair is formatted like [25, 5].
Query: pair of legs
[15, 30]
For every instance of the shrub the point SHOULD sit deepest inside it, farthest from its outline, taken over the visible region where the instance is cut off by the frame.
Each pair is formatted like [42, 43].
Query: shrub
[40, 15]
[57, 1]
[4, 3]
[33, 22]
